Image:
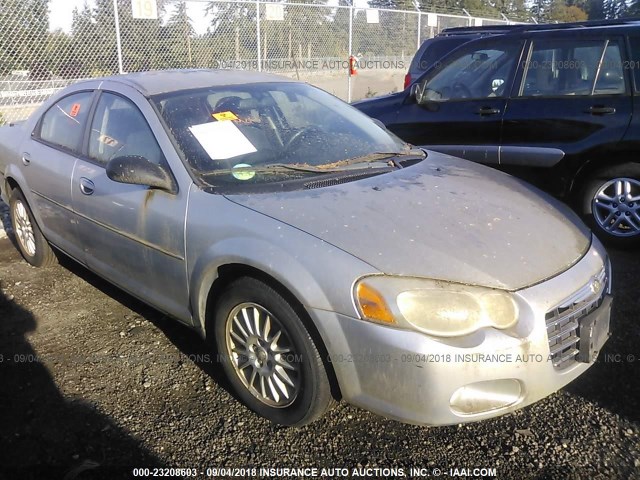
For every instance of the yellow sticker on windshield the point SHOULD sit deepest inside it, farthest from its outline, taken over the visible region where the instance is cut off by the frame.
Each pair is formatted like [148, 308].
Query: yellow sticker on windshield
[220, 116]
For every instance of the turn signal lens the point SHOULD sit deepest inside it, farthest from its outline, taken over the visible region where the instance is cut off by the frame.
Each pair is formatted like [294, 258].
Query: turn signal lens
[372, 305]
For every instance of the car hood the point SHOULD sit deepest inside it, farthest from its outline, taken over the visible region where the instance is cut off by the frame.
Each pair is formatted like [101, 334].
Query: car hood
[443, 218]
[388, 100]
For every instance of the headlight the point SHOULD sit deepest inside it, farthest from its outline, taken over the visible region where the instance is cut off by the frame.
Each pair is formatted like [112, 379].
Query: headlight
[435, 307]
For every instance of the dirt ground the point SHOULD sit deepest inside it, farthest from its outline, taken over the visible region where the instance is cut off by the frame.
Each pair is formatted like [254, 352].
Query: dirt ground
[93, 383]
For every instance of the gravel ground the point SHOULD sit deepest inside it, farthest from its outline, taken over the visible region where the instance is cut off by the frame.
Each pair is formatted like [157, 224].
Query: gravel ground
[5, 223]
[93, 383]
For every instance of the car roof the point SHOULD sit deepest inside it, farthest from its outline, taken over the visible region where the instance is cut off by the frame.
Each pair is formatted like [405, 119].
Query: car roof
[165, 81]
[633, 23]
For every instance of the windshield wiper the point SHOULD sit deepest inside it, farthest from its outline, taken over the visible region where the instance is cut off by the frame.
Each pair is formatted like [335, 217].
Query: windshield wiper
[392, 159]
[273, 168]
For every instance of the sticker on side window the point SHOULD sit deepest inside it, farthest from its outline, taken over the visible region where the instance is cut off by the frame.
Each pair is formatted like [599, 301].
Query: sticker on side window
[220, 116]
[75, 110]
[222, 140]
[107, 140]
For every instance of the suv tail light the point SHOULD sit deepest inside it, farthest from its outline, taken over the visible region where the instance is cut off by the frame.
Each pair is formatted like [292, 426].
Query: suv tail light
[407, 80]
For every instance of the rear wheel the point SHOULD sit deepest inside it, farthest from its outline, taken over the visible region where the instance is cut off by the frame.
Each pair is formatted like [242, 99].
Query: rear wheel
[268, 354]
[32, 245]
[611, 205]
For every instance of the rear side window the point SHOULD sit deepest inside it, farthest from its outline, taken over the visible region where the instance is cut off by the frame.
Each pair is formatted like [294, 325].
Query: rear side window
[635, 60]
[610, 79]
[63, 124]
[557, 68]
[434, 51]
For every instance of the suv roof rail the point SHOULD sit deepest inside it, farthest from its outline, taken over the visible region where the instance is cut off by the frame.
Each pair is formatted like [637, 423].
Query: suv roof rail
[493, 29]
[497, 29]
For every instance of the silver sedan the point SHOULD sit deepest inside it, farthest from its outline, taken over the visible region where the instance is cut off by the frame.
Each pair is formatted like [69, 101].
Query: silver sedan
[321, 256]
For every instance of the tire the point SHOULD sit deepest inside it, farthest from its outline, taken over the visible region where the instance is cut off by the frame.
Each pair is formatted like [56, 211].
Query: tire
[611, 205]
[28, 238]
[266, 383]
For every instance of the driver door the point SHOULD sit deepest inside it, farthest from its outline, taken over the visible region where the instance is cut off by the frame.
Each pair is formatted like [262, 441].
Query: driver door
[462, 101]
[132, 235]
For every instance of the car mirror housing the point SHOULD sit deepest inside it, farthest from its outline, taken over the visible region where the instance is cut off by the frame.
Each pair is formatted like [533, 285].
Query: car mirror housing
[137, 170]
[415, 92]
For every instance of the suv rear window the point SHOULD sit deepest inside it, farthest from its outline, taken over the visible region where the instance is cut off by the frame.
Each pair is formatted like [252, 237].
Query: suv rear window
[434, 51]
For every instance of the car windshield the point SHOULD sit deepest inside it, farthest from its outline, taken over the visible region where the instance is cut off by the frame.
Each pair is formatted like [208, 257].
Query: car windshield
[270, 132]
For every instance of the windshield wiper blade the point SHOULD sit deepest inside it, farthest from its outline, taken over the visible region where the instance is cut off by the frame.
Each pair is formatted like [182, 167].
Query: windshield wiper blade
[273, 168]
[375, 157]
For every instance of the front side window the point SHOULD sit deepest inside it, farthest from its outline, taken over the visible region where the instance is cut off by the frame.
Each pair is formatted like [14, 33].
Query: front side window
[479, 71]
[270, 132]
[119, 129]
[63, 124]
[557, 68]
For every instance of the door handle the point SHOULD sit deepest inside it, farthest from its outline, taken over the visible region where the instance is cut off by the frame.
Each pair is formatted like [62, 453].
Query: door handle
[483, 111]
[86, 186]
[26, 158]
[601, 110]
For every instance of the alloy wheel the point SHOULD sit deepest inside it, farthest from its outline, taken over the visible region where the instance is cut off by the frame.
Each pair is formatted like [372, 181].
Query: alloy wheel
[262, 355]
[24, 229]
[616, 207]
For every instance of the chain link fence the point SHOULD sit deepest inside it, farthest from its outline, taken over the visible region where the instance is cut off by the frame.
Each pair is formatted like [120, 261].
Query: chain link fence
[309, 42]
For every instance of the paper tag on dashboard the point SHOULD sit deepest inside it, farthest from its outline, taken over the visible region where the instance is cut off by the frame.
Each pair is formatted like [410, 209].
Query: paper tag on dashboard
[220, 116]
[222, 140]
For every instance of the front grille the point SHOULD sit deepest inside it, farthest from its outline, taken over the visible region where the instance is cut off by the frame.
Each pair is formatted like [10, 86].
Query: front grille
[563, 321]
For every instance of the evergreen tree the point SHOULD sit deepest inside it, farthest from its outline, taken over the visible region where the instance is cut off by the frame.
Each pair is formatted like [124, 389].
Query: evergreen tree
[24, 30]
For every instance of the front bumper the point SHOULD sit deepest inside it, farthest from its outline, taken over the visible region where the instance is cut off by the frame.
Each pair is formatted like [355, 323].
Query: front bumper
[416, 378]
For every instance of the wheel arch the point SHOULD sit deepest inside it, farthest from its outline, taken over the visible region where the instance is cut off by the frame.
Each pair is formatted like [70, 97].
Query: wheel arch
[229, 272]
[598, 169]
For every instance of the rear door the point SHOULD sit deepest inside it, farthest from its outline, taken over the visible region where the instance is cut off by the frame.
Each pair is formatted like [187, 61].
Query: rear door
[632, 137]
[571, 98]
[463, 100]
[132, 234]
[48, 160]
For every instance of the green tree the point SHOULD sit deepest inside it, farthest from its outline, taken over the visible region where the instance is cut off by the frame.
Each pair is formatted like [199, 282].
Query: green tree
[607, 9]
[178, 37]
[24, 28]
[561, 12]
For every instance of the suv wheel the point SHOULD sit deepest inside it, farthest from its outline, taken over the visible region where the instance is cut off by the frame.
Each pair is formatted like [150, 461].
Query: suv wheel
[269, 356]
[612, 206]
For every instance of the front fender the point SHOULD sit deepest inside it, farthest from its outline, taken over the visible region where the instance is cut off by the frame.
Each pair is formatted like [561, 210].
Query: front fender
[314, 284]
[221, 232]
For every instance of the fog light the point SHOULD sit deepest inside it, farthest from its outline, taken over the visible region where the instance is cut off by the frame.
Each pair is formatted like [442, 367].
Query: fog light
[485, 396]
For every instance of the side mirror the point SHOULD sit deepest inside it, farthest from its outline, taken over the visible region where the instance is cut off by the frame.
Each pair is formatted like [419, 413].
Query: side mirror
[136, 170]
[418, 92]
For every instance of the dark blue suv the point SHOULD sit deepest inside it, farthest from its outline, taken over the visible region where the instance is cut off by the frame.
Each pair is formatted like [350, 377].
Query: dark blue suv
[553, 104]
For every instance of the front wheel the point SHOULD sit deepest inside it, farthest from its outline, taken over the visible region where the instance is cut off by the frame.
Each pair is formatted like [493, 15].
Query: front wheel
[268, 355]
[611, 204]
[30, 241]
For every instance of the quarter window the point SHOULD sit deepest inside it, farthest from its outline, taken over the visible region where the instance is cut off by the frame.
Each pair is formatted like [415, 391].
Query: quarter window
[635, 60]
[120, 129]
[63, 124]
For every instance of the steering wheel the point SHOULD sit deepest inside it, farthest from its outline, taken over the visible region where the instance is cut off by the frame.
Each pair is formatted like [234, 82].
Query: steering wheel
[298, 135]
[460, 90]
